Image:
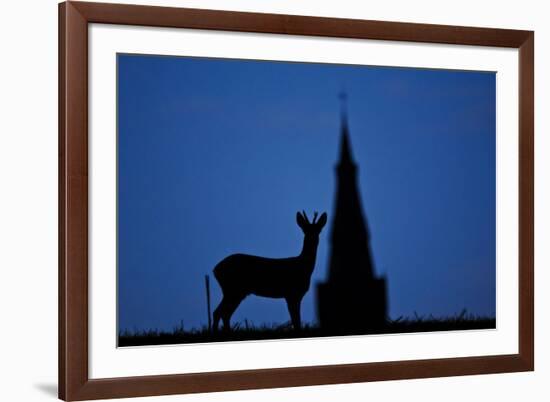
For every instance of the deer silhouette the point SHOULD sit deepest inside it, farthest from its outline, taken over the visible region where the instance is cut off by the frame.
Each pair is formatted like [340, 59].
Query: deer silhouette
[240, 275]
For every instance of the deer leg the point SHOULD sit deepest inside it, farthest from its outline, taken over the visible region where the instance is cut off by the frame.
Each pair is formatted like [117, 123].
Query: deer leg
[294, 310]
[229, 308]
[218, 313]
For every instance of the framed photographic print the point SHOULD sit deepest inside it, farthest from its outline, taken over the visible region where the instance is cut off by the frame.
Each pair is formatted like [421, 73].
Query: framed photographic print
[258, 200]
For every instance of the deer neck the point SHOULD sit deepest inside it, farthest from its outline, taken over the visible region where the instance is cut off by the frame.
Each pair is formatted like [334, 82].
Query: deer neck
[309, 253]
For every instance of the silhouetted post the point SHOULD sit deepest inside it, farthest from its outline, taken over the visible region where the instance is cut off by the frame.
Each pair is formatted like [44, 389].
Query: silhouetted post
[207, 283]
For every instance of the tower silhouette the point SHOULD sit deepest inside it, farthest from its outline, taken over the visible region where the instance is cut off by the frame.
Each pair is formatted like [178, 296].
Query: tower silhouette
[353, 299]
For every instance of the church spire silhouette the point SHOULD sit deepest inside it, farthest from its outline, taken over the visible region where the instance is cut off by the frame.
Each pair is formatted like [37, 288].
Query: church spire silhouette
[352, 299]
[345, 147]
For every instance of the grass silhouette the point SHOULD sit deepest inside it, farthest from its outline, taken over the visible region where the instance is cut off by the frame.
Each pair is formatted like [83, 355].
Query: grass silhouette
[246, 331]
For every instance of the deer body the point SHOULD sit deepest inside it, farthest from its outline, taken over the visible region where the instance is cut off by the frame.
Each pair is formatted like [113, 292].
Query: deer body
[240, 275]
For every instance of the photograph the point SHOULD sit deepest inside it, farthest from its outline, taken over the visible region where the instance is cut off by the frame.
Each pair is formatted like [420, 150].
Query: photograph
[275, 200]
[262, 199]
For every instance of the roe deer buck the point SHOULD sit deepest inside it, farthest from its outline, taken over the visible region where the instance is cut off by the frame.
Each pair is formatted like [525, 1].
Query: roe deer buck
[240, 275]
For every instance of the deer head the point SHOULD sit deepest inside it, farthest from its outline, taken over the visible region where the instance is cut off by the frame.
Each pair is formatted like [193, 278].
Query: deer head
[311, 229]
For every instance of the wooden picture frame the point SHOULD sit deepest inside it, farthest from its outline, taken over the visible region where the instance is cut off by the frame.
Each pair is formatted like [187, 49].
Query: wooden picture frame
[74, 381]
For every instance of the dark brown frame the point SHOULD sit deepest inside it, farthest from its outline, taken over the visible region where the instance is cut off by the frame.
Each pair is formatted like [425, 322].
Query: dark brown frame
[74, 383]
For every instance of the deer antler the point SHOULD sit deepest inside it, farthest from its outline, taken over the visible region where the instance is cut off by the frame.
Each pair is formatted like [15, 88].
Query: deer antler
[315, 214]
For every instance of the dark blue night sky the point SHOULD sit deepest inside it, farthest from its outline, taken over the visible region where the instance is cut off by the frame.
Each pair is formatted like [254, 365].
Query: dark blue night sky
[215, 156]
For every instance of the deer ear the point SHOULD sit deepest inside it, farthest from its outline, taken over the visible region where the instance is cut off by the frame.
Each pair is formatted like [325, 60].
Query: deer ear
[300, 220]
[322, 221]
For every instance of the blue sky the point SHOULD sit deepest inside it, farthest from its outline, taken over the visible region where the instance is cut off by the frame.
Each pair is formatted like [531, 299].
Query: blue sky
[215, 156]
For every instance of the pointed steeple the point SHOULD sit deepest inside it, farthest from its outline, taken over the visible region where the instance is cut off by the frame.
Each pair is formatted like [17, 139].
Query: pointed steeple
[352, 299]
[346, 158]
[349, 232]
